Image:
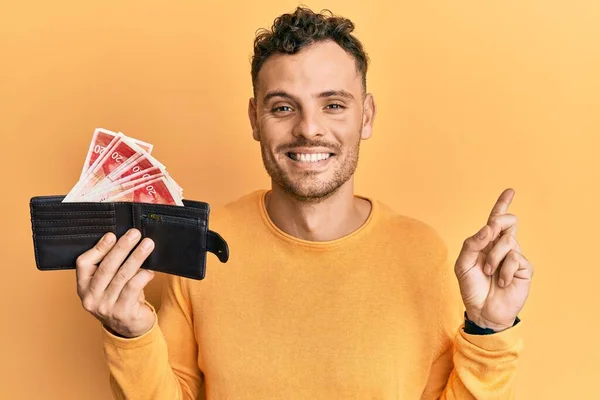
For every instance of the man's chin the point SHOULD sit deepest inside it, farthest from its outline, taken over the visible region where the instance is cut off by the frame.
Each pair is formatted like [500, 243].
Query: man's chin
[309, 194]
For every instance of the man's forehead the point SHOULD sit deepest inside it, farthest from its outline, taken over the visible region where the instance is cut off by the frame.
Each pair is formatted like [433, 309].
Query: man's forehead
[318, 67]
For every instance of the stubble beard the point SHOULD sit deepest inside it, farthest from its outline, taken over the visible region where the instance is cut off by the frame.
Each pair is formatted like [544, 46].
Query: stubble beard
[305, 186]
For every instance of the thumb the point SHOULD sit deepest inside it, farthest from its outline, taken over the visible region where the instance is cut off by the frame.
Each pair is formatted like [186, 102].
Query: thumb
[472, 247]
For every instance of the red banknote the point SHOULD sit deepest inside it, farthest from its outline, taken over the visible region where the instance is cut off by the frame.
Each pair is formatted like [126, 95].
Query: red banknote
[102, 137]
[118, 152]
[130, 167]
[118, 166]
[154, 191]
[122, 185]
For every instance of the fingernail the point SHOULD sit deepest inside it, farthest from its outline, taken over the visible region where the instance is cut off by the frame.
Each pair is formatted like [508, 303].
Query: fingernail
[133, 234]
[487, 269]
[146, 244]
[109, 238]
[501, 282]
[482, 233]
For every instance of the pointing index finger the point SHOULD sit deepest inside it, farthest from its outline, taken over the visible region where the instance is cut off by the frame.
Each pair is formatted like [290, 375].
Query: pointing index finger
[503, 202]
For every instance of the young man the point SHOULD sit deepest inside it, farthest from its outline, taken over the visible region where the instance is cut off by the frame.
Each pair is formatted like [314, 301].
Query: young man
[326, 295]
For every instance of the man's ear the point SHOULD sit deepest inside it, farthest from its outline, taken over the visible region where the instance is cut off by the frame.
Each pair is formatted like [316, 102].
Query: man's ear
[252, 118]
[369, 112]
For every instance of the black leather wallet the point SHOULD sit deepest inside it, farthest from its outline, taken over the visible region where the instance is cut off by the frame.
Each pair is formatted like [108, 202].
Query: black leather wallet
[63, 231]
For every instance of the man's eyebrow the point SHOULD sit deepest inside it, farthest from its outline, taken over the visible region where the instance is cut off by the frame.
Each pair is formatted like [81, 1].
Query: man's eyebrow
[327, 93]
[340, 93]
[277, 93]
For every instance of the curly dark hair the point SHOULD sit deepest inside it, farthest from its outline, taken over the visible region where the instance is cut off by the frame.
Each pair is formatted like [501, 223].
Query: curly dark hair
[292, 32]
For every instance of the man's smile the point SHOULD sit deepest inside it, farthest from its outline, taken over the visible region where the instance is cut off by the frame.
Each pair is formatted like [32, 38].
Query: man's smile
[312, 161]
[309, 157]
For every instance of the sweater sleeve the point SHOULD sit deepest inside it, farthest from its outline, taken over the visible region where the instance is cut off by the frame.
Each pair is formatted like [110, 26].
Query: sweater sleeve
[470, 366]
[162, 363]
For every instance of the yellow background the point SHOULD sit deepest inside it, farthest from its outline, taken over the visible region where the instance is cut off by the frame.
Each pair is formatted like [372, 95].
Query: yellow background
[473, 97]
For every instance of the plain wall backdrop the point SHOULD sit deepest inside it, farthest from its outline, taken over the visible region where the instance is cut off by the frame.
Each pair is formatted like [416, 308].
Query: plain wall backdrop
[473, 97]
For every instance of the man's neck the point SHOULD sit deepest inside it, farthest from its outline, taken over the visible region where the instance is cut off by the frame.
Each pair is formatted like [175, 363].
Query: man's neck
[330, 219]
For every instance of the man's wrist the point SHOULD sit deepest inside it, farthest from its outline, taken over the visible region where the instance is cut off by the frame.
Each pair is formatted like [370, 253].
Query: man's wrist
[473, 328]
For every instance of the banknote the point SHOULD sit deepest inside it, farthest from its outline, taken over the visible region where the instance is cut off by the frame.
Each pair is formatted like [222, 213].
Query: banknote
[121, 187]
[174, 184]
[101, 194]
[117, 152]
[118, 167]
[132, 166]
[153, 191]
[100, 140]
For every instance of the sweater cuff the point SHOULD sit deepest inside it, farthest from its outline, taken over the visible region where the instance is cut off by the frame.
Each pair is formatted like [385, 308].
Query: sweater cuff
[131, 343]
[498, 341]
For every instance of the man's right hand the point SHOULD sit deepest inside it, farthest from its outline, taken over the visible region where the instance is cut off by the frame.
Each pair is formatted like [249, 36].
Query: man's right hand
[111, 285]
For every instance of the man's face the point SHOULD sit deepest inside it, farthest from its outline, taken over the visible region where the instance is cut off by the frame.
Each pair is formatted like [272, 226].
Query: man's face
[309, 116]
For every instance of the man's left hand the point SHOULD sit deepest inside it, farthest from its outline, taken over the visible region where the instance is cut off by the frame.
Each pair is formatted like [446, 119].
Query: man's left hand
[493, 274]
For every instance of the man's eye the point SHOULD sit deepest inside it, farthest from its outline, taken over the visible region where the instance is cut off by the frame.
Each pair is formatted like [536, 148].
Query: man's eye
[335, 106]
[282, 109]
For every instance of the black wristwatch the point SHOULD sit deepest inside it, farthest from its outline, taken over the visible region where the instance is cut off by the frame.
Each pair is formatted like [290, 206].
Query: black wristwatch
[473, 329]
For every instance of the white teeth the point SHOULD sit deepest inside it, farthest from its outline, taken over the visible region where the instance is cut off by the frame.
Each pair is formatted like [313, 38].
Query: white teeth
[309, 157]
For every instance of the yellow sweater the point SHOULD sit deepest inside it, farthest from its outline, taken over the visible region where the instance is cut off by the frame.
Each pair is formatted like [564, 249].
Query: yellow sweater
[374, 315]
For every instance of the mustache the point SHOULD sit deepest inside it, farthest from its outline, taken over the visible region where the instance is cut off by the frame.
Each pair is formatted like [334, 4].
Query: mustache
[303, 142]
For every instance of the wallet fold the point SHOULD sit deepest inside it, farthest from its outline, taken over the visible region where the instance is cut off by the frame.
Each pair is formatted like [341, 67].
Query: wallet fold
[63, 231]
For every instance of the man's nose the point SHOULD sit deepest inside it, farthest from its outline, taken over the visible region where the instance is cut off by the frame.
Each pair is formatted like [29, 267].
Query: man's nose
[310, 125]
